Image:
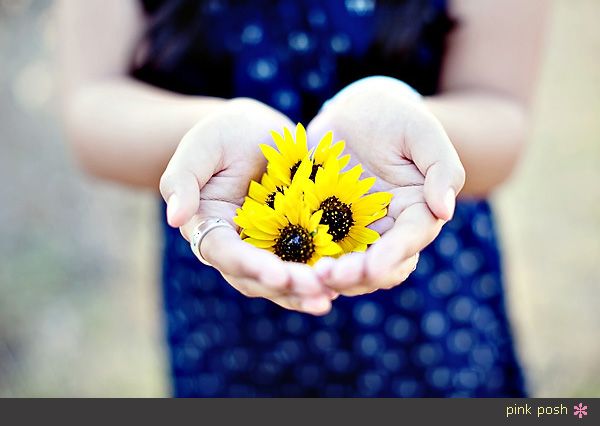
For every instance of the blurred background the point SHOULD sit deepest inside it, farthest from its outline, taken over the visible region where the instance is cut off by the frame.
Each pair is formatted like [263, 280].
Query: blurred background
[79, 292]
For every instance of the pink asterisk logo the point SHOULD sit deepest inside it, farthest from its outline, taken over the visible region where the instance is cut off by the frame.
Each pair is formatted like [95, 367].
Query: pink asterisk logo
[580, 410]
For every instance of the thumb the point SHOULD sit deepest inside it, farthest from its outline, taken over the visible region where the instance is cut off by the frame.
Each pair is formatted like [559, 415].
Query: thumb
[181, 192]
[191, 167]
[443, 181]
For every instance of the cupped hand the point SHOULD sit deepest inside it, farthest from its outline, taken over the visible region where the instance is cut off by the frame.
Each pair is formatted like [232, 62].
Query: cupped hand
[388, 129]
[208, 176]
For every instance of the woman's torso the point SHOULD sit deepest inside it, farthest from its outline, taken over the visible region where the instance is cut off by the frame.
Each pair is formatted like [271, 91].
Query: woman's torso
[443, 332]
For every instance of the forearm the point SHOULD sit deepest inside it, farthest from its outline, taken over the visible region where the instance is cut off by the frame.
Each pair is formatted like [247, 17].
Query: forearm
[126, 131]
[487, 130]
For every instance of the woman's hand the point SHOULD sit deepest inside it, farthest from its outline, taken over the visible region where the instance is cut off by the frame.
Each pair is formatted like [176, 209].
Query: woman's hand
[209, 176]
[388, 129]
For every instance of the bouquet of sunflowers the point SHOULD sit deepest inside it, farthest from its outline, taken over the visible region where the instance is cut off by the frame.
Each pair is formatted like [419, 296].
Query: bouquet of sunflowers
[307, 205]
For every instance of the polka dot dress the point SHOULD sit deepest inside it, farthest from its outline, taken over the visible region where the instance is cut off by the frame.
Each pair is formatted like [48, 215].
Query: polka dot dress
[442, 333]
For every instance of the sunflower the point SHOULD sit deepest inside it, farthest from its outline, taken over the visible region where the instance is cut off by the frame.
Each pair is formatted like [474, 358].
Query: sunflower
[265, 191]
[347, 211]
[284, 161]
[290, 229]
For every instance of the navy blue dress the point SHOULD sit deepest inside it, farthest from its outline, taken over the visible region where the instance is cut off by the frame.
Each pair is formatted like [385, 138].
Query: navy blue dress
[442, 333]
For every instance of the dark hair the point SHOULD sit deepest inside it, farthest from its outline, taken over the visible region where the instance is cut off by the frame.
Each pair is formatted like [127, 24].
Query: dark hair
[409, 36]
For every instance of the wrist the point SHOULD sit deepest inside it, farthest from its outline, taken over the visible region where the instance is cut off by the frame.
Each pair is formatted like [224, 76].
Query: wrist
[377, 83]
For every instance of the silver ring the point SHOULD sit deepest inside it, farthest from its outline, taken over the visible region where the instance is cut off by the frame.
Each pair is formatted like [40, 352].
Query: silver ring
[200, 232]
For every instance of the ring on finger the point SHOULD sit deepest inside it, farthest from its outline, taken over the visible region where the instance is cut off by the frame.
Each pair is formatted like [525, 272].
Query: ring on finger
[201, 231]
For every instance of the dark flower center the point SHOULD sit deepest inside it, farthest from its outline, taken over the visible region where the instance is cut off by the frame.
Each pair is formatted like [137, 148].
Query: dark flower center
[338, 216]
[313, 174]
[294, 244]
[270, 201]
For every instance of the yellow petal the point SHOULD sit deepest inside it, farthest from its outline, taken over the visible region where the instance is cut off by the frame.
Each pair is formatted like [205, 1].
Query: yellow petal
[261, 235]
[370, 203]
[323, 147]
[343, 161]
[315, 219]
[279, 142]
[260, 243]
[301, 138]
[363, 235]
[258, 192]
[330, 249]
[359, 189]
[270, 153]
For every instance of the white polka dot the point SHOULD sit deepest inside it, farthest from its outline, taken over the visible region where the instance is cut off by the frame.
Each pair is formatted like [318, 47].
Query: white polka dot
[467, 378]
[215, 332]
[288, 351]
[252, 34]
[323, 340]
[263, 329]
[460, 341]
[262, 69]
[408, 298]
[391, 360]
[340, 43]
[460, 308]
[317, 17]
[443, 284]
[483, 318]
[467, 262]
[483, 355]
[285, 99]
[434, 323]
[446, 245]
[486, 286]
[299, 41]
[439, 377]
[294, 323]
[428, 354]
[482, 226]
[214, 6]
[368, 313]
[314, 80]
[200, 340]
[236, 359]
[370, 344]
[399, 328]
[360, 7]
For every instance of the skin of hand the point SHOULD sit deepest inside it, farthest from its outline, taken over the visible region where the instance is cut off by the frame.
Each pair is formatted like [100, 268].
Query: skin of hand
[388, 129]
[208, 176]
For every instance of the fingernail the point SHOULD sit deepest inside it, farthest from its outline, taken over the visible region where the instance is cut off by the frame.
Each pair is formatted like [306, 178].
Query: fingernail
[172, 207]
[332, 294]
[450, 202]
[316, 305]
